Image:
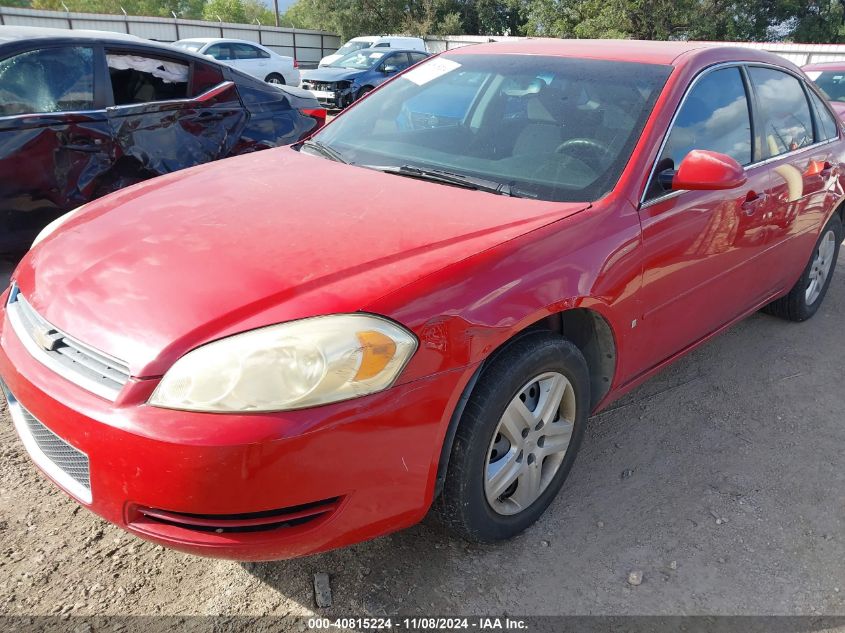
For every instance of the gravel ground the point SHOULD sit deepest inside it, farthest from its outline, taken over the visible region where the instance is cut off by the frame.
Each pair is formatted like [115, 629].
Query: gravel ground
[721, 482]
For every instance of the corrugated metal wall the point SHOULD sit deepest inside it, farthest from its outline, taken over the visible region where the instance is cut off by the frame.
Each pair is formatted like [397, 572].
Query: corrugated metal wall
[309, 46]
[305, 46]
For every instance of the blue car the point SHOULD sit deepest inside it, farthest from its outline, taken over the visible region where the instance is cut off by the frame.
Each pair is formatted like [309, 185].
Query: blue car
[354, 75]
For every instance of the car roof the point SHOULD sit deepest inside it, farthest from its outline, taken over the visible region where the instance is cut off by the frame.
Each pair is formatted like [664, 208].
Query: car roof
[384, 49]
[643, 51]
[16, 33]
[825, 66]
[209, 40]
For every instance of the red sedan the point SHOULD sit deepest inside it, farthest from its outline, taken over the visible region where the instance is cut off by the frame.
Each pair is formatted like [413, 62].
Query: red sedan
[291, 351]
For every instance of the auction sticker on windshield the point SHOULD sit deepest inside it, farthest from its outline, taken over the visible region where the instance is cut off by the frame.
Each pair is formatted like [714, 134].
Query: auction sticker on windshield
[431, 70]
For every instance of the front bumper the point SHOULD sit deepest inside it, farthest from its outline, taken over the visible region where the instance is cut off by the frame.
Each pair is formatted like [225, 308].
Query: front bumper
[331, 97]
[207, 483]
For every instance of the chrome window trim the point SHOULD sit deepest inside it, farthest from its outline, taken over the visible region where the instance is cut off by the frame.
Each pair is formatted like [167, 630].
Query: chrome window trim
[644, 204]
[104, 391]
[10, 117]
[63, 479]
[209, 94]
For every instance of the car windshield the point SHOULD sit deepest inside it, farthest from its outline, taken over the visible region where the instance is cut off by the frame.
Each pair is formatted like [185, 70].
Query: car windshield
[351, 47]
[549, 128]
[832, 83]
[360, 60]
[191, 46]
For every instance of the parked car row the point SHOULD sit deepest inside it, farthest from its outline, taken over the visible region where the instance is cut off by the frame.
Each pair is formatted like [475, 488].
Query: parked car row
[83, 114]
[419, 306]
[248, 57]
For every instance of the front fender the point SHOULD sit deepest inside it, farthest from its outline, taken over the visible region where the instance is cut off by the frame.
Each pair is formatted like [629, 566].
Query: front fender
[465, 311]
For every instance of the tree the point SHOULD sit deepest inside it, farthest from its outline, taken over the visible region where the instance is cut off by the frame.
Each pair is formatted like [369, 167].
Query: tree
[224, 10]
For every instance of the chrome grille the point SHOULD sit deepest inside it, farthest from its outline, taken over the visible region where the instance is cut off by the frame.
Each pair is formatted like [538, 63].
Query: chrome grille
[65, 355]
[67, 465]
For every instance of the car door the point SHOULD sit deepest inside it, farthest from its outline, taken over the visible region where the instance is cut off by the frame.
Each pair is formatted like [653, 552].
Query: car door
[391, 64]
[168, 113]
[252, 60]
[55, 143]
[700, 247]
[795, 140]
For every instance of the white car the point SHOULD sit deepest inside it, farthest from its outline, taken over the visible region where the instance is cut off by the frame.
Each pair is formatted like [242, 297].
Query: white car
[248, 57]
[375, 41]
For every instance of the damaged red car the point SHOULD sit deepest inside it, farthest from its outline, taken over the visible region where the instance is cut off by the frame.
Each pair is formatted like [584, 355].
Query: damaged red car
[483, 252]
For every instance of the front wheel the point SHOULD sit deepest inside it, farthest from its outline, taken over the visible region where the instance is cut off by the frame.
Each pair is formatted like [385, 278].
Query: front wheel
[807, 294]
[275, 79]
[363, 92]
[517, 439]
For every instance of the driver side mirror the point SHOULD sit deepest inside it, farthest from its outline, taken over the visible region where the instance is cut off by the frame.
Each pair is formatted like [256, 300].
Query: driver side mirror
[703, 170]
[389, 68]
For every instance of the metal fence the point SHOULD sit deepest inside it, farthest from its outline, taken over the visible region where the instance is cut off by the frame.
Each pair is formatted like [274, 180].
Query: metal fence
[303, 45]
[309, 46]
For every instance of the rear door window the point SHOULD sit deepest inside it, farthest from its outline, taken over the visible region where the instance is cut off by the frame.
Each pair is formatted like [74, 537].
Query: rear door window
[142, 79]
[245, 51]
[59, 79]
[787, 124]
[826, 128]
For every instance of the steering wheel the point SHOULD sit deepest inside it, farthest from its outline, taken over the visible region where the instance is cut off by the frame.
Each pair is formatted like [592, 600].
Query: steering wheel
[589, 150]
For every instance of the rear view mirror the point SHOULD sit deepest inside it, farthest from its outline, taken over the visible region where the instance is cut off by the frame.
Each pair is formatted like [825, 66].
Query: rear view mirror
[703, 170]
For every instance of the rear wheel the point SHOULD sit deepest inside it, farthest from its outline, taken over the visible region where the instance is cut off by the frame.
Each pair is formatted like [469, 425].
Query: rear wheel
[517, 439]
[807, 294]
[275, 78]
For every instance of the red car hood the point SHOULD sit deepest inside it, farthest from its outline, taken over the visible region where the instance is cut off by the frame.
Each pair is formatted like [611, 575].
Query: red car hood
[154, 270]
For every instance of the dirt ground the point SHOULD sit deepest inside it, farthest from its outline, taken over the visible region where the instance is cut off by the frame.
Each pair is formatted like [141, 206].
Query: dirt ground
[722, 480]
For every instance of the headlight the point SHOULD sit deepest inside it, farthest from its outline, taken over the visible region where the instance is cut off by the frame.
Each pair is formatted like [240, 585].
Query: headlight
[48, 230]
[289, 366]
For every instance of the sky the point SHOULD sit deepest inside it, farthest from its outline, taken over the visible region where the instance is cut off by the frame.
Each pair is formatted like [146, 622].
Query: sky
[283, 4]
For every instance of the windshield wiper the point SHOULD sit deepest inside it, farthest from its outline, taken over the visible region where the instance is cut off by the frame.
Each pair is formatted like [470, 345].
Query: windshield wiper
[448, 178]
[325, 150]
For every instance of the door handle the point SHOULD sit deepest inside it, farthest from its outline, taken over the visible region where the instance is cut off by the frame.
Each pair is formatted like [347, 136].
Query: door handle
[828, 170]
[90, 148]
[208, 117]
[753, 201]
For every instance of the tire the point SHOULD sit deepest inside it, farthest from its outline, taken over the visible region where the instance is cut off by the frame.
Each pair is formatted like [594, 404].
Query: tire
[275, 78]
[363, 92]
[464, 506]
[801, 303]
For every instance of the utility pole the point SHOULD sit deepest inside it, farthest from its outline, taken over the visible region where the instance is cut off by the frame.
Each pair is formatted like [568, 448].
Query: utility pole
[276, 7]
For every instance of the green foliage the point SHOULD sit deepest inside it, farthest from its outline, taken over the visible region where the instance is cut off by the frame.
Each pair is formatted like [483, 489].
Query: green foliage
[726, 20]
[224, 10]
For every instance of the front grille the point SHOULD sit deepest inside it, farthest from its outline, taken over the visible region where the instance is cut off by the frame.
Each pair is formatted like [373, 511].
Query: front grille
[67, 465]
[65, 355]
